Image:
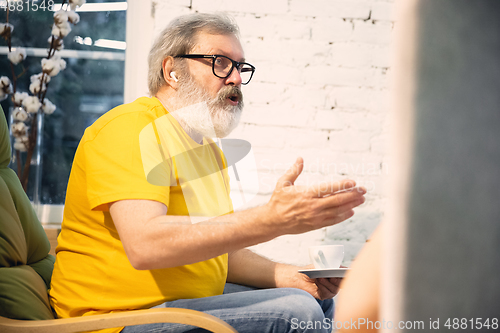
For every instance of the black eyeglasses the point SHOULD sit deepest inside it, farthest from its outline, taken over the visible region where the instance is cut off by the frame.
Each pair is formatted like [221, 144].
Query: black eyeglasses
[223, 66]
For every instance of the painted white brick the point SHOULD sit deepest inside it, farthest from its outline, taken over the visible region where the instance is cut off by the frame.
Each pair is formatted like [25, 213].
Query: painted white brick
[291, 249]
[369, 32]
[381, 56]
[276, 115]
[332, 8]
[267, 184]
[358, 164]
[256, 27]
[377, 78]
[350, 97]
[362, 213]
[271, 166]
[261, 136]
[331, 29]
[261, 51]
[177, 5]
[303, 138]
[329, 119]
[274, 27]
[274, 162]
[278, 73]
[262, 93]
[285, 52]
[364, 121]
[324, 162]
[354, 232]
[380, 144]
[254, 6]
[350, 55]
[358, 55]
[336, 76]
[380, 101]
[376, 185]
[349, 141]
[303, 53]
[307, 98]
[238, 132]
[294, 53]
[383, 11]
[165, 11]
[298, 29]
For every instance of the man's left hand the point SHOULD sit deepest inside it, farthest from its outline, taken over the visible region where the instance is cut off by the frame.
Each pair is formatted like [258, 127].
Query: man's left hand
[321, 288]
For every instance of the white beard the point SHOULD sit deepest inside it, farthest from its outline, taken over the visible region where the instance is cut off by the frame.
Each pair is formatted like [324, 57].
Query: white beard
[210, 117]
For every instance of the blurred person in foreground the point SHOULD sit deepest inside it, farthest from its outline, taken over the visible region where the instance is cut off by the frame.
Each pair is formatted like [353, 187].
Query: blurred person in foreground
[359, 300]
[146, 173]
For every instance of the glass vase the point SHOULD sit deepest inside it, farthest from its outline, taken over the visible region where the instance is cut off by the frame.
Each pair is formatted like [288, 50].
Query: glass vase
[18, 159]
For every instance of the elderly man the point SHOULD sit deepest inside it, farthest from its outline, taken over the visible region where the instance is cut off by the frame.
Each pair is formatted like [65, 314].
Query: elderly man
[129, 238]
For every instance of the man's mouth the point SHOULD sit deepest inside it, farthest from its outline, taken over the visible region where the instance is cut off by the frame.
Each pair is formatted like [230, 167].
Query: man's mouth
[231, 95]
[233, 99]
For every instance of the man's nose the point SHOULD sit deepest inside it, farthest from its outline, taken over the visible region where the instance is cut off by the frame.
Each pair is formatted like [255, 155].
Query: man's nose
[234, 78]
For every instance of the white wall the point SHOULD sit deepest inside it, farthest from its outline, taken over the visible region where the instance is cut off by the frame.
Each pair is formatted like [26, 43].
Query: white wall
[321, 92]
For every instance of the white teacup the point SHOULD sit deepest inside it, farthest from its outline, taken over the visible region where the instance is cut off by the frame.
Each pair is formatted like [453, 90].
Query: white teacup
[326, 256]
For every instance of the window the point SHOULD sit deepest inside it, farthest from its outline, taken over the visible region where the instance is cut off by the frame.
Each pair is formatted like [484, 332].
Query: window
[91, 84]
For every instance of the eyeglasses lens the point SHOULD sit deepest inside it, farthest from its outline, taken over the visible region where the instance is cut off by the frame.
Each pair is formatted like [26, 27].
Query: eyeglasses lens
[223, 65]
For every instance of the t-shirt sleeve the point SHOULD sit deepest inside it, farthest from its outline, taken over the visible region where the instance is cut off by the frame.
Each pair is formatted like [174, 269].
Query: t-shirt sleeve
[114, 164]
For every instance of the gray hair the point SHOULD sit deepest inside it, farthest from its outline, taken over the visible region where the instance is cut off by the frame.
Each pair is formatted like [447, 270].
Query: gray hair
[179, 37]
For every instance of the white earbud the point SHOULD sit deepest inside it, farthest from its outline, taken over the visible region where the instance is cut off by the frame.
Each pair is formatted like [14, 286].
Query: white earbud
[172, 74]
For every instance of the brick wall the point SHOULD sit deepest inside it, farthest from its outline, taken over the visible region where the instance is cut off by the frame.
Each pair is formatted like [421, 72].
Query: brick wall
[321, 92]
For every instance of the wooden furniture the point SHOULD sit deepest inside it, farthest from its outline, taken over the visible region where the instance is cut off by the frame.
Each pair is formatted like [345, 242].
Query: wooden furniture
[52, 234]
[129, 318]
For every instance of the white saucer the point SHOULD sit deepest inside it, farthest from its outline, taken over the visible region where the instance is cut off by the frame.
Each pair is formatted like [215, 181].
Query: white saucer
[325, 273]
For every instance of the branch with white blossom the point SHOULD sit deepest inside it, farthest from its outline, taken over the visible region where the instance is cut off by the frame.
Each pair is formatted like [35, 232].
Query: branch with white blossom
[28, 107]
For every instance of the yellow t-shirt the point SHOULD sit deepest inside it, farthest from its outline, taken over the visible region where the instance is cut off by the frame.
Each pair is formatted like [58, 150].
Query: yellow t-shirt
[135, 151]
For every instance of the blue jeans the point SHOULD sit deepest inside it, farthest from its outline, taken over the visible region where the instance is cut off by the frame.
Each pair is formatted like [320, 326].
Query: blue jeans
[279, 310]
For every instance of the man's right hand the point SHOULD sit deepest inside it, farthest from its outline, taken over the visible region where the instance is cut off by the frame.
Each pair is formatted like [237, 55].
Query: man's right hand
[298, 209]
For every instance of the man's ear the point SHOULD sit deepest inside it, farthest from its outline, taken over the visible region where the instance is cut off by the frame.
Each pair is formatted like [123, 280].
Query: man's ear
[168, 67]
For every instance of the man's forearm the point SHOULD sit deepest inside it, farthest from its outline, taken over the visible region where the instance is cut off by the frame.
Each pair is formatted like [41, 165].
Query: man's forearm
[170, 241]
[250, 269]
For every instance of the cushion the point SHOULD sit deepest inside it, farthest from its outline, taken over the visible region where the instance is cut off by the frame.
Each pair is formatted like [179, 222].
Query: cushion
[25, 265]
[23, 294]
[19, 222]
